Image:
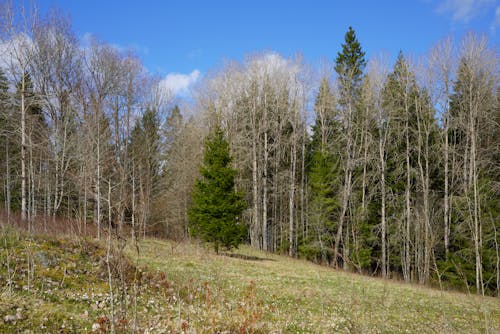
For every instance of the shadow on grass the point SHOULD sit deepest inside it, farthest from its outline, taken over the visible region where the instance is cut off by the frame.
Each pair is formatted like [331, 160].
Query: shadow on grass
[246, 257]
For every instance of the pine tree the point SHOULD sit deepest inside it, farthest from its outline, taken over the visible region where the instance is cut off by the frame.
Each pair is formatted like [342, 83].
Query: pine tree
[145, 145]
[5, 149]
[216, 207]
[474, 206]
[323, 177]
[3, 82]
[349, 65]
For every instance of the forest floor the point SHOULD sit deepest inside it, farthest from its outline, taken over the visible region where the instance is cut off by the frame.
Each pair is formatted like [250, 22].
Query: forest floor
[52, 285]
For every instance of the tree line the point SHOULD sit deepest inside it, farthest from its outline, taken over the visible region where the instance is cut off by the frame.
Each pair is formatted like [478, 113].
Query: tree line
[382, 170]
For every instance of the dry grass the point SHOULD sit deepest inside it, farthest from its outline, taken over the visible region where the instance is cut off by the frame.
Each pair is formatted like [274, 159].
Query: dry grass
[60, 286]
[271, 293]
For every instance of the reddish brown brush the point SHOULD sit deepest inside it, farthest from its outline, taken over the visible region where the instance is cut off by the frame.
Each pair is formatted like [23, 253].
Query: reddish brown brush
[57, 226]
[48, 225]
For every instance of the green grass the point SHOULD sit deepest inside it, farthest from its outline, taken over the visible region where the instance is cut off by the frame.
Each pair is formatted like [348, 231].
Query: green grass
[45, 282]
[280, 294]
[60, 286]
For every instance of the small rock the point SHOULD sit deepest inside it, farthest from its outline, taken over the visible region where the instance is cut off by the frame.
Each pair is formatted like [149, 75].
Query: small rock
[9, 318]
[96, 327]
[43, 259]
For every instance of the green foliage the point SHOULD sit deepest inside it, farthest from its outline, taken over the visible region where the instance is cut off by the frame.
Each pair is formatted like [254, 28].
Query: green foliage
[145, 143]
[349, 64]
[173, 126]
[145, 152]
[3, 84]
[216, 209]
[323, 180]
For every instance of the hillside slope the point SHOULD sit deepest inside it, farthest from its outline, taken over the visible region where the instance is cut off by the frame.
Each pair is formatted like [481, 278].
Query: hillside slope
[271, 293]
[62, 286]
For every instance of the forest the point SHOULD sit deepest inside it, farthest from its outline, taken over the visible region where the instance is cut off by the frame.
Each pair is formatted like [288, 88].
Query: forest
[379, 167]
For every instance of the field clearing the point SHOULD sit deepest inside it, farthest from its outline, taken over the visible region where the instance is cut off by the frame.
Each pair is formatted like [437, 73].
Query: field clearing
[50, 285]
[273, 293]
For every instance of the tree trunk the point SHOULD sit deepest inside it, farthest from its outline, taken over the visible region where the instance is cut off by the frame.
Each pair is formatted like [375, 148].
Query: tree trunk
[382, 212]
[254, 240]
[7, 179]
[446, 185]
[346, 191]
[98, 182]
[407, 198]
[293, 162]
[264, 194]
[23, 149]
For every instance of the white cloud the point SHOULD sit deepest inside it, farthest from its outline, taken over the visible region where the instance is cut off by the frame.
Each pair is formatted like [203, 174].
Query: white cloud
[14, 50]
[5, 56]
[464, 10]
[178, 84]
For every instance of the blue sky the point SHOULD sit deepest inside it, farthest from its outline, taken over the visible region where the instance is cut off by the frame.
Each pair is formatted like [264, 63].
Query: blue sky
[187, 38]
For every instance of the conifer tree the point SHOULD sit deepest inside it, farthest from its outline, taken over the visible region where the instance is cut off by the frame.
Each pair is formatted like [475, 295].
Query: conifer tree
[216, 207]
[349, 65]
[323, 176]
[4, 141]
[145, 146]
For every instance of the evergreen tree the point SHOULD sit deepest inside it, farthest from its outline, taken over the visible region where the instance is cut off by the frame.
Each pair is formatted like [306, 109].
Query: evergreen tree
[474, 187]
[4, 104]
[349, 66]
[3, 83]
[5, 130]
[145, 145]
[324, 206]
[216, 208]
[323, 176]
[172, 130]
[173, 127]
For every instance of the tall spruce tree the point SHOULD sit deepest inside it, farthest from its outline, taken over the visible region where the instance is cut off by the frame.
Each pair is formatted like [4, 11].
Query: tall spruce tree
[145, 145]
[323, 177]
[216, 207]
[349, 65]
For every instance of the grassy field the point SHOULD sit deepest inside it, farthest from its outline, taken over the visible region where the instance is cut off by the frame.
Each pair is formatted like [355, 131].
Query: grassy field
[61, 286]
[268, 293]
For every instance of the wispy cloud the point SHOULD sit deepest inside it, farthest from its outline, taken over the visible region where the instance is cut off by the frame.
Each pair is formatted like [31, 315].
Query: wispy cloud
[87, 38]
[464, 10]
[178, 84]
[14, 50]
[136, 48]
[196, 53]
